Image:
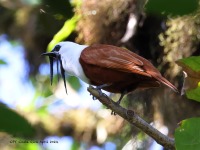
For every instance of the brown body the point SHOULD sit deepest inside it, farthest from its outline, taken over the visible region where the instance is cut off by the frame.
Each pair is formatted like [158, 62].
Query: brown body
[122, 69]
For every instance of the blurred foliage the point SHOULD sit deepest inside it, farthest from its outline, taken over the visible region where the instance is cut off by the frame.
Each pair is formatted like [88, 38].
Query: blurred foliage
[187, 135]
[194, 94]
[14, 124]
[191, 68]
[2, 62]
[64, 32]
[171, 7]
[191, 65]
[162, 40]
[74, 82]
[34, 25]
[28, 146]
[180, 40]
[104, 21]
[61, 9]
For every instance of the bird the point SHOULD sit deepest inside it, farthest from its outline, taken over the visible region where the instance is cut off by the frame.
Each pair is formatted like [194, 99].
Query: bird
[108, 67]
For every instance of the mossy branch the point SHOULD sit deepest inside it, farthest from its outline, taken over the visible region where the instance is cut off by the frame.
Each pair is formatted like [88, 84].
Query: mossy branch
[134, 119]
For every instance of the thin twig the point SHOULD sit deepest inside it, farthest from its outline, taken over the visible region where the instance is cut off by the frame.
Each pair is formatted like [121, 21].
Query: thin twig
[134, 119]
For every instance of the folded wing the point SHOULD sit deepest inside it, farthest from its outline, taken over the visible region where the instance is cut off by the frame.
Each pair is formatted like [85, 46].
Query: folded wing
[120, 59]
[113, 57]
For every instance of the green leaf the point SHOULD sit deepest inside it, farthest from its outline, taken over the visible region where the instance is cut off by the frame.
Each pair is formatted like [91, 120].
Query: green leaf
[75, 145]
[191, 68]
[28, 146]
[2, 62]
[74, 82]
[42, 111]
[194, 94]
[64, 32]
[61, 7]
[192, 62]
[14, 124]
[171, 7]
[187, 136]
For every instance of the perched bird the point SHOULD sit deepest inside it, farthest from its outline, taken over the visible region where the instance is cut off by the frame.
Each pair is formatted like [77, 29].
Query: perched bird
[111, 68]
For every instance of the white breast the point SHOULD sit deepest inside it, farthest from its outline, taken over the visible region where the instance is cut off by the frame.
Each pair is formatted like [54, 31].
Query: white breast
[70, 53]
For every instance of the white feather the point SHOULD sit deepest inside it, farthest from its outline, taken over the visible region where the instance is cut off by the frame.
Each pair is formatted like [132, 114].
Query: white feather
[70, 53]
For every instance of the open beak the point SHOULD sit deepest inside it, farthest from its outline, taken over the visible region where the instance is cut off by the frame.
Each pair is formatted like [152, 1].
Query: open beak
[50, 54]
[55, 55]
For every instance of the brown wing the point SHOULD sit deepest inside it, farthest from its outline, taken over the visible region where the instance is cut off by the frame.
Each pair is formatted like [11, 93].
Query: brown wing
[113, 57]
[108, 56]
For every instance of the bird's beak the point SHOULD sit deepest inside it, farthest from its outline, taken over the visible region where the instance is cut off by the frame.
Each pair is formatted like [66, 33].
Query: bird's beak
[55, 55]
[52, 55]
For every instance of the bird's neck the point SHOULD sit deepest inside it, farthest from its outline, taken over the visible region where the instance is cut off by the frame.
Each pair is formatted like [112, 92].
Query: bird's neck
[71, 64]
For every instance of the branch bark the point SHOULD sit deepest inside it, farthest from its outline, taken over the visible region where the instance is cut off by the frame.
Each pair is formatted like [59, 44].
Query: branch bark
[134, 119]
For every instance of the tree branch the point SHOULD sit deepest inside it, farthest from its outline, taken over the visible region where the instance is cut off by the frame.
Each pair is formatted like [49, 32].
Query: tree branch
[134, 119]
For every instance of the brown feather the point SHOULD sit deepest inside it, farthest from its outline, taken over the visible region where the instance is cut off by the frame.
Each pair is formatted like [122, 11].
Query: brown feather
[123, 69]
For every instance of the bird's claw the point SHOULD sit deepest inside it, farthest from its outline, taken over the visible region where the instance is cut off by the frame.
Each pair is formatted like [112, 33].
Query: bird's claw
[100, 93]
[93, 97]
[113, 113]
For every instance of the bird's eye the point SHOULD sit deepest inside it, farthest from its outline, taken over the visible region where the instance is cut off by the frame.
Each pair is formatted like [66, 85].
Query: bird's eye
[57, 48]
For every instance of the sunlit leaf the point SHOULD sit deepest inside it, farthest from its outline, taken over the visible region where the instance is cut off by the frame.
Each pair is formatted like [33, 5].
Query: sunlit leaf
[191, 68]
[42, 111]
[14, 124]
[47, 92]
[191, 63]
[74, 82]
[76, 145]
[2, 62]
[187, 136]
[171, 7]
[28, 146]
[64, 32]
[194, 94]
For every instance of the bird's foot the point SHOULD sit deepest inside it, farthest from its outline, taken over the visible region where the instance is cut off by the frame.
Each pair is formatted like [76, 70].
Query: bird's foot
[118, 102]
[98, 88]
[93, 97]
[113, 113]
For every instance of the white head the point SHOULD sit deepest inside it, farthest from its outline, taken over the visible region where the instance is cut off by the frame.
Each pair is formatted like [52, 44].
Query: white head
[68, 46]
[68, 54]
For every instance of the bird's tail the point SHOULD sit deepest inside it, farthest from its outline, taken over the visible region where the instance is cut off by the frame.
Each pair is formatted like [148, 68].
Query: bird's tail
[165, 81]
